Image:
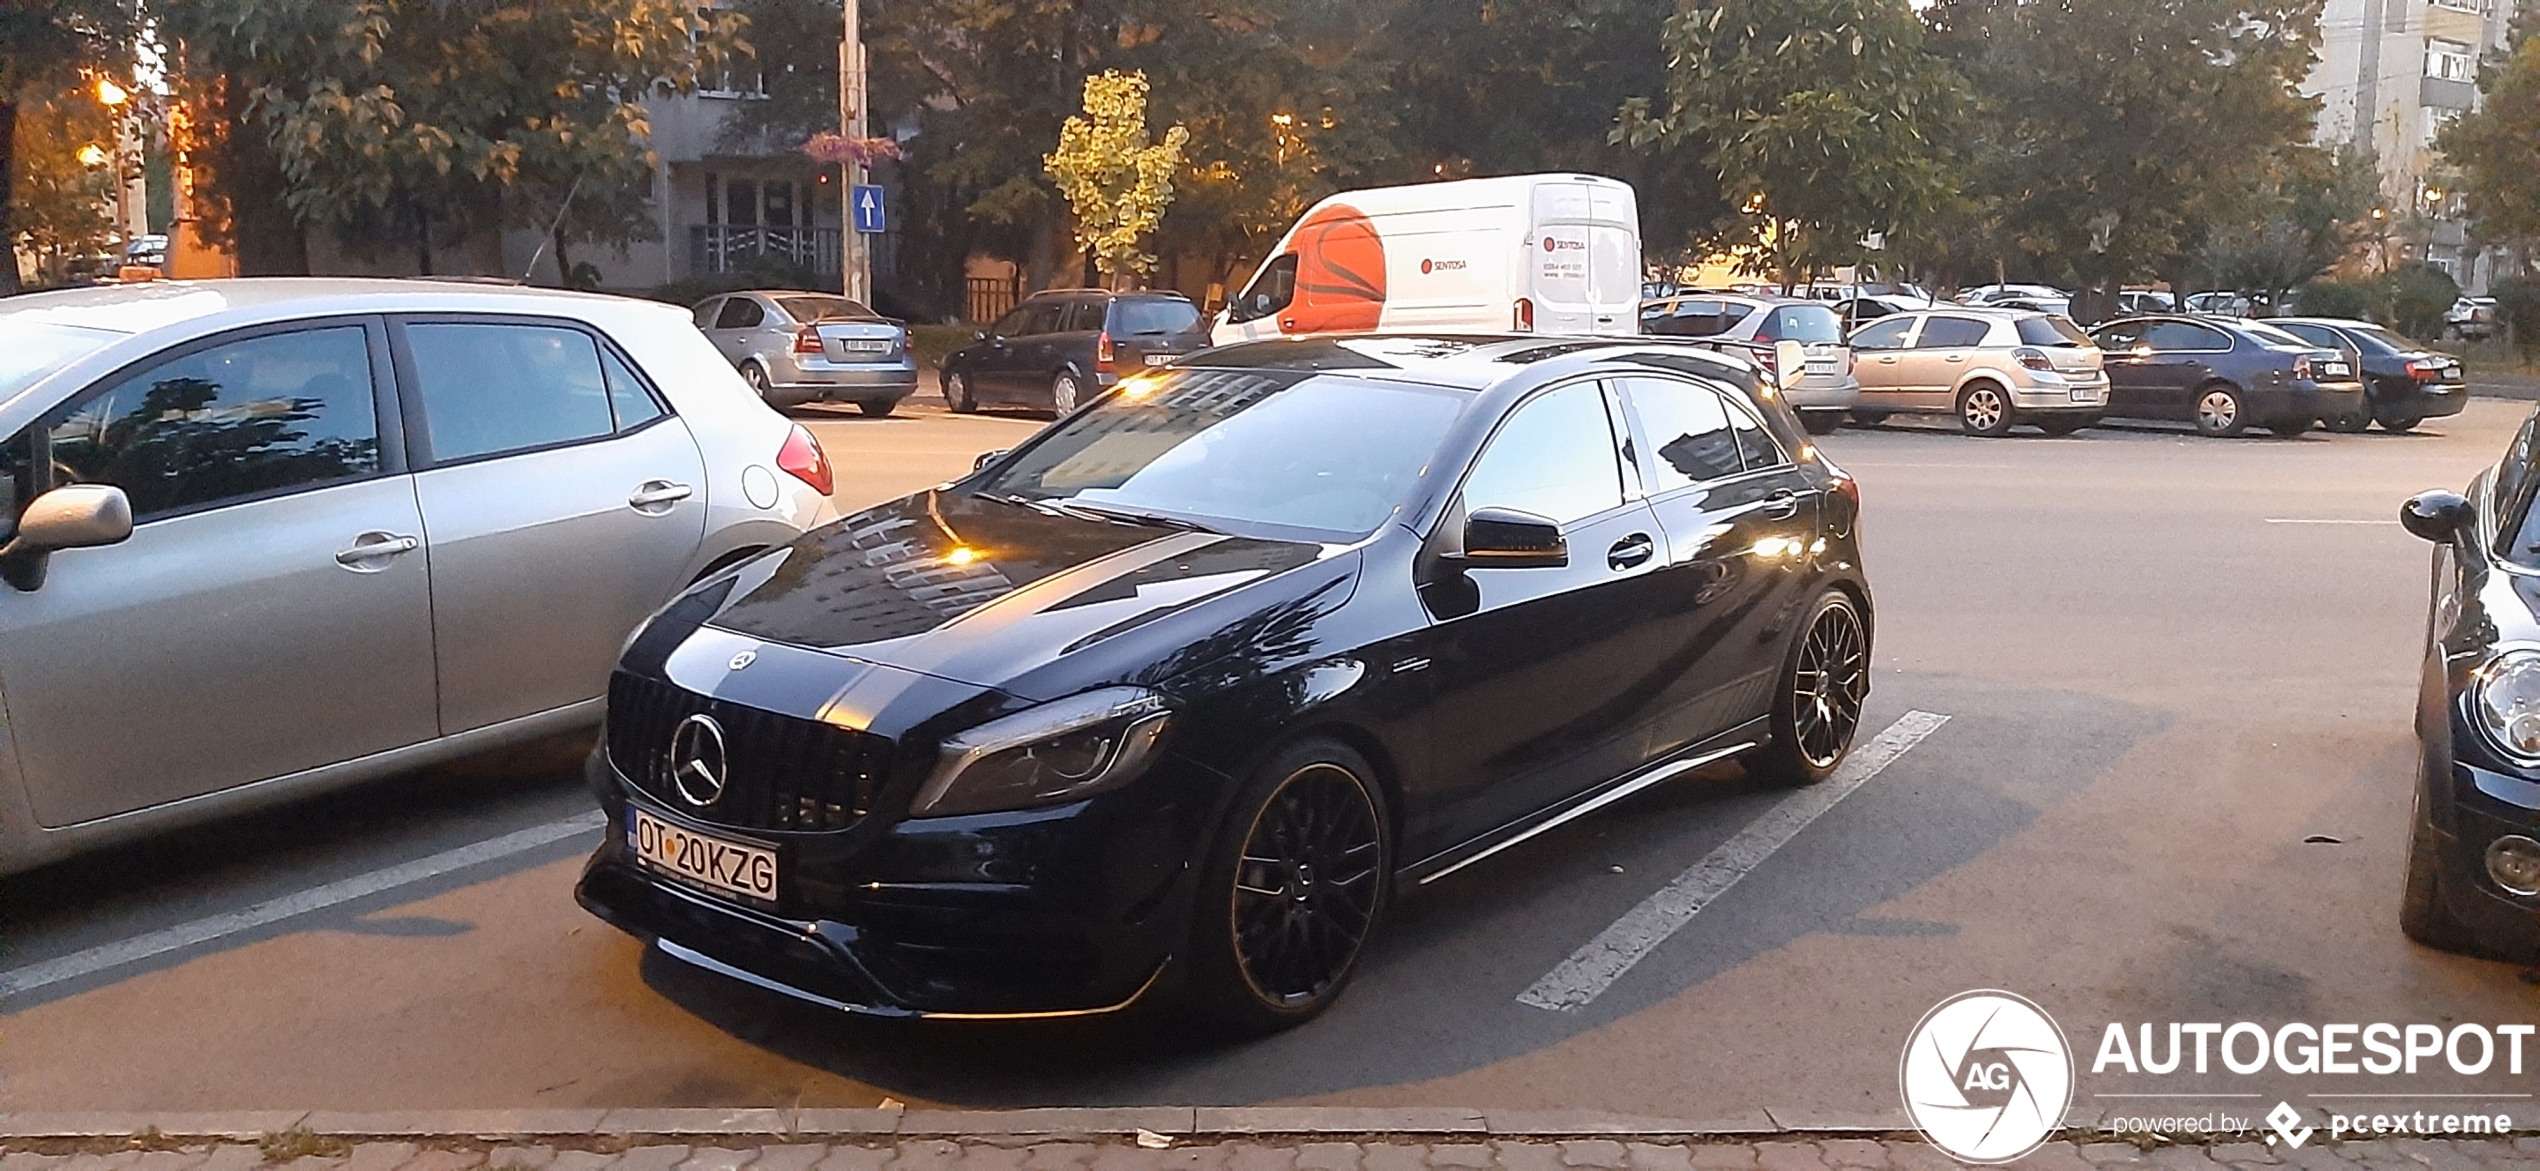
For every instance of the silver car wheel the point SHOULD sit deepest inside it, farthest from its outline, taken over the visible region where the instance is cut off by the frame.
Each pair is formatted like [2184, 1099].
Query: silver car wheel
[1063, 393]
[1984, 409]
[2217, 411]
[756, 377]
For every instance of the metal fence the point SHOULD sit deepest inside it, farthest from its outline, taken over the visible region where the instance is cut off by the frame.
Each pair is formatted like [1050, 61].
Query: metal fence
[728, 247]
[991, 296]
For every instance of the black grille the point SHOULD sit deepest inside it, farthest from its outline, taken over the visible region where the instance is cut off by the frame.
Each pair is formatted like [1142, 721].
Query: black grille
[781, 772]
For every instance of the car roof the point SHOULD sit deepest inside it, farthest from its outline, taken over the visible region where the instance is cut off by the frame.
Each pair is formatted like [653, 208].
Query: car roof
[2338, 322]
[143, 306]
[1115, 294]
[1458, 361]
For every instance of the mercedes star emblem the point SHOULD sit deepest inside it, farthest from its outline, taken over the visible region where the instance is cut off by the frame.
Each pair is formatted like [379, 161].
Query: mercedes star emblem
[697, 759]
[745, 658]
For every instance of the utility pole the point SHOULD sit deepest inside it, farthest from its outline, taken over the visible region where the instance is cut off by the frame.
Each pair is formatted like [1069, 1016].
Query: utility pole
[856, 259]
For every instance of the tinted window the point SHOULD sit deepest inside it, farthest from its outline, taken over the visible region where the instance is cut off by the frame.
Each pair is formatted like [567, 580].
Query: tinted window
[740, 313]
[1269, 292]
[1142, 317]
[1014, 322]
[2318, 335]
[1038, 318]
[809, 309]
[1942, 333]
[1754, 444]
[489, 389]
[2174, 336]
[1324, 456]
[628, 397]
[1689, 429]
[2374, 339]
[1554, 458]
[2051, 331]
[1702, 318]
[1884, 335]
[1801, 323]
[244, 419]
[2122, 336]
[29, 350]
[1082, 316]
[2270, 335]
[705, 312]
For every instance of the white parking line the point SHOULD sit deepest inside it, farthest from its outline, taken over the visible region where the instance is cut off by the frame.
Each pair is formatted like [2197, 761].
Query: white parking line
[317, 898]
[1596, 966]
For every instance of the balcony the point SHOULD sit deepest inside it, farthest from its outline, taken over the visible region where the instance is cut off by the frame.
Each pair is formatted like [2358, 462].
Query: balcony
[716, 248]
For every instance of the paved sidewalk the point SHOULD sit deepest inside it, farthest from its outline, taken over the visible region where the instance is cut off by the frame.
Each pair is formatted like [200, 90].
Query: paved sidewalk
[302, 1151]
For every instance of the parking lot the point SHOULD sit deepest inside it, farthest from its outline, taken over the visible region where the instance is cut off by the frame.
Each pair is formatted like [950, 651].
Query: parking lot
[2172, 784]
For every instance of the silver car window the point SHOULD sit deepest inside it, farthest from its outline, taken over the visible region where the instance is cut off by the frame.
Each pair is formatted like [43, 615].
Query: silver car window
[1883, 335]
[245, 419]
[494, 388]
[632, 401]
[706, 310]
[1943, 333]
[740, 313]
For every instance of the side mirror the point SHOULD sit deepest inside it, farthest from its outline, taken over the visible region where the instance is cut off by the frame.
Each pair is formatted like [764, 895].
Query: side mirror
[1504, 538]
[986, 458]
[2437, 516]
[75, 516]
[1790, 363]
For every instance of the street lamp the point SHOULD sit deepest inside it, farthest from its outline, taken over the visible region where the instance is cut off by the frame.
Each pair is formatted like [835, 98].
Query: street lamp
[92, 155]
[113, 97]
[110, 94]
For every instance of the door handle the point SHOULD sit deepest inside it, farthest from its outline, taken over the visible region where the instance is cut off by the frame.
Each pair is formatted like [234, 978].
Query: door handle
[1782, 505]
[651, 495]
[368, 550]
[1630, 551]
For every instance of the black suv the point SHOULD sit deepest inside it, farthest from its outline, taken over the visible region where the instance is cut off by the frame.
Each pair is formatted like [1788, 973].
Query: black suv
[1060, 347]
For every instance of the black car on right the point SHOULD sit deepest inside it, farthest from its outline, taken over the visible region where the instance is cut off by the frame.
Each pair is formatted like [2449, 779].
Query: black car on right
[2473, 873]
[1062, 347]
[2405, 381]
[2224, 375]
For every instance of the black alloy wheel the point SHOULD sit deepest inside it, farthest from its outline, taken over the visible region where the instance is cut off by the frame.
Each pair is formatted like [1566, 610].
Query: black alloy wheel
[2424, 916]
[1295, 891]
[1818, 708]
[957, 394]
[2351, 423]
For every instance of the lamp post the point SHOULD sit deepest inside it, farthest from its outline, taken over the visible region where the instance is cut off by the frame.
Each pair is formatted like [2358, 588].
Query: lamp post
[113, 97]
[855, 259]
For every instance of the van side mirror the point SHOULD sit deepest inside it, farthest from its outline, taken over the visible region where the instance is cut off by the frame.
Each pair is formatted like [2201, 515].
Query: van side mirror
[74, 516]
[1504, 538]
[2438, 516]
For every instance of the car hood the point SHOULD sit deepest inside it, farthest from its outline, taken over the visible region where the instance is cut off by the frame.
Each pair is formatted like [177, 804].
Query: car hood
[1003, 595]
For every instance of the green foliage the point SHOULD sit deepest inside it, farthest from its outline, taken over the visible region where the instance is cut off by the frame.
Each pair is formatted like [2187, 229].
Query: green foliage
[47, 49]
[2418, 297]
[1818, 118]
[2518, 307]
[60, 207]
[2326, 298]
[1116, 181]
[2497, 147]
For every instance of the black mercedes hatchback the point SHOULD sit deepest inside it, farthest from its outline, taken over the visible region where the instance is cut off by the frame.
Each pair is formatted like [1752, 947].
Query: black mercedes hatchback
[1170, 699]
[2473, 875]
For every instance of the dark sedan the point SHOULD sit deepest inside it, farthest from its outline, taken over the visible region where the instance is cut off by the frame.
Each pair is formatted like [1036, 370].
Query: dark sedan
[2224, 375]
[2473, 877]
[1062, 347]
[1170, 699]
[2405, 382]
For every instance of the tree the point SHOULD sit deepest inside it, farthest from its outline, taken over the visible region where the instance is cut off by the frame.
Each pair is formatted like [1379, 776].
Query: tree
[2310, 208]
[47, 49]
[61, 189]
[2497, 146]
[411, 123]
[2111, 134]
[1116, 181]
[1818, 116]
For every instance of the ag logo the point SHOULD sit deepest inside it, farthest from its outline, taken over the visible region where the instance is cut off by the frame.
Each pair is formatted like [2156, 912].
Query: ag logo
[1986, 1076]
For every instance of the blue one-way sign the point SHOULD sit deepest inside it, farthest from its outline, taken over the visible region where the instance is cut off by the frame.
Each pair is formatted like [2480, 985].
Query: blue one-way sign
[866, 198]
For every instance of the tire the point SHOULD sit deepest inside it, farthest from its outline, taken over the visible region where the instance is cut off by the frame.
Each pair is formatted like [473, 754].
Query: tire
[957, 395]
[1984, 409]
[1821, 422]
[1817, 702]
[756, 376]
[2353, 424]
[877, 408]
[1867, 417]
[1275, 937]
[1064, 389]
[2062, 425]
[2289, 428]
[2423, 915]
[2399, 422]
[2219, 413]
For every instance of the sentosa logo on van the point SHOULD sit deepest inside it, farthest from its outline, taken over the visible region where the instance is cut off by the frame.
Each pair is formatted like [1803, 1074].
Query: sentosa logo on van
[1554, 244]
[1430, 266]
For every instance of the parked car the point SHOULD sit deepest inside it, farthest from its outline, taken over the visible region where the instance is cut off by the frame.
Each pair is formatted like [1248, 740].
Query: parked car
[1555, 253]
[796, 347]
[1199, 677]
[1859, 311]
[2404, 382]
[149, 251]
[2224, 375]
[2220, 303]
[2471, 319]
[2133, 302]
[1989, 294]
[1058, 348]
[318, 531]
[2052, 306]
[1993, 368]
[2473, 869]
[1752, 327]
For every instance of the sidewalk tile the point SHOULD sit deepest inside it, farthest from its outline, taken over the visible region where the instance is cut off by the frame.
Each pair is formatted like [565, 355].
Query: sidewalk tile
[1528, 1156]
[719, 1159]
[1058, 1156]
[2241, 1153]
[1594, 1152]
[1249, 1156]
[31, 1161]
[1854, 1152]
[2055, 1157]
[1338, 1120]
[1172, 1120]
[847, 1122]
[232, 1157]
[1394, 1157]
[849, 1157]
[2103, 1154]
[185, 1159]
[1327, 1157]
[377, 1156]
[984, 1157]
[1721, 1156]
[117, 1161]
[1841, 1121]
[659, 1157]
[581, 1161]
[927, 1154]
[1460, 1155]
[789, 1157]
[445, 1161]
[531, 1157]
[1916, 1155]
[1789, 1156]
[1657, 1157]
[689, 1121]
[1599, 1122]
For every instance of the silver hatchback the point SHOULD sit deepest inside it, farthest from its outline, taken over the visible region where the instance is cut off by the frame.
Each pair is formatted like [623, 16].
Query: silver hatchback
[796, 347]
[266, 537]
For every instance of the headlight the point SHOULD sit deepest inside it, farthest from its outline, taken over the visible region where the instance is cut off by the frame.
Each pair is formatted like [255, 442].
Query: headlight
[2507, 699]
[1060, 751]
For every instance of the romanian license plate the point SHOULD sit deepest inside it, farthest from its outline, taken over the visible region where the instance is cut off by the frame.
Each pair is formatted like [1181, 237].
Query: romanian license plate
[867, 345]
[719, 864]
[1158, 359]
[2085, 394]
[2335, 370]
[1820, 360]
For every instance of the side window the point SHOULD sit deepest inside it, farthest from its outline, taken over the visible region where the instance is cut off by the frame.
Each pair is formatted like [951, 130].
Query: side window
[1013, 323]
[1754, 444]
[1084, 316]
[1269, 293]
[494, 388]
[247, 418]
[1555, 457]
[2179, 336]
[1884, 335]
[2117, 338]
[739, 313]
[1952, 333]
[1687, 428]
[706, 311]
[628, 397]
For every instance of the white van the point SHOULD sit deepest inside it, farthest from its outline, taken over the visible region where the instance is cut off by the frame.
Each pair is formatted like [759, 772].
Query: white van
[1524, 253]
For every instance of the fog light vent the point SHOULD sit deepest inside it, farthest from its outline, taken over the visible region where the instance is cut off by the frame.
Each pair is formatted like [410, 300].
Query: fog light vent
[2513, 862]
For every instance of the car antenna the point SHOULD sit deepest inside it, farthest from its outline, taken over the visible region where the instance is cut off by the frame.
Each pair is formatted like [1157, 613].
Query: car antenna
[562, 277]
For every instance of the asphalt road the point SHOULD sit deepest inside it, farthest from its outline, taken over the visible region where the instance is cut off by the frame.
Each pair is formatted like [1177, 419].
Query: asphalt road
[2168, 666]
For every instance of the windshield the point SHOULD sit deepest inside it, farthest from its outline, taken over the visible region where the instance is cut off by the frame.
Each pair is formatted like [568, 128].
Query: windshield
[2051, 330]
[1802, 323]
[30, 350]
[2377, 339]
[1280, 453]
[1146, 318]
[822, 308]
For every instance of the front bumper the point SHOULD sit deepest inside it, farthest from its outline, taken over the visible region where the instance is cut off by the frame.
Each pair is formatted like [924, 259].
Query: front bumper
[1067, 911]
[2486, 805]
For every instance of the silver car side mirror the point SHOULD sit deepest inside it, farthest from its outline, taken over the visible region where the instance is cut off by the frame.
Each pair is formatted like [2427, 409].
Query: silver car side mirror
[75, 516]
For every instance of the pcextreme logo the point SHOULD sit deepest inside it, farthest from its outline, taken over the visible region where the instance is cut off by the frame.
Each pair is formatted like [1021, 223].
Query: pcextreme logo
[1986, 1076]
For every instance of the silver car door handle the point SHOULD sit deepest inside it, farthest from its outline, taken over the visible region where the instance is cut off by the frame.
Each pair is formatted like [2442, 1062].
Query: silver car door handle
[657, 492]
[370, 547]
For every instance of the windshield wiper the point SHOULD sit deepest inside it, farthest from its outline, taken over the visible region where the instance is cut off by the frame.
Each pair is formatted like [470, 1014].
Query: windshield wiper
[1085, 511]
